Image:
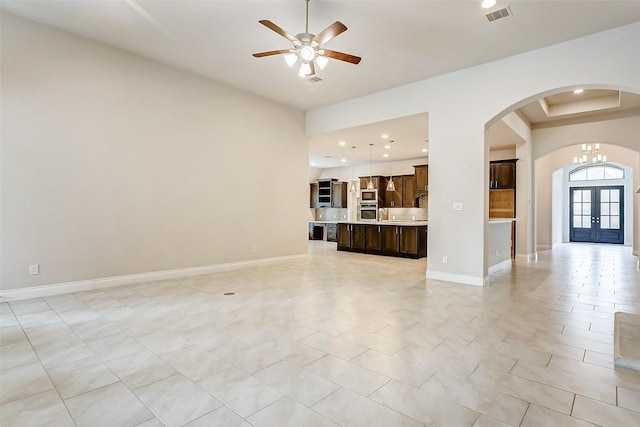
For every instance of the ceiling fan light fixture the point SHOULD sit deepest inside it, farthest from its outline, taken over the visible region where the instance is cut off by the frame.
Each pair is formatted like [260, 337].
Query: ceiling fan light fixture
[307, 53]
[322, 62]
[291, 59]
[305, 69]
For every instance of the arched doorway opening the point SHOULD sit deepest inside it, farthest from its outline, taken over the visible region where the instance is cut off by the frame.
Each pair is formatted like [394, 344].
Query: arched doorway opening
[544, 146]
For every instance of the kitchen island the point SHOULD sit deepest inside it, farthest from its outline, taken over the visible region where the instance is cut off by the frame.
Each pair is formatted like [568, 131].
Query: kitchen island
[391, 238]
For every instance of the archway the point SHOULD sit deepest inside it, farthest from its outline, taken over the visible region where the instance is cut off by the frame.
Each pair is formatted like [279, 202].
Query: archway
[558, 141]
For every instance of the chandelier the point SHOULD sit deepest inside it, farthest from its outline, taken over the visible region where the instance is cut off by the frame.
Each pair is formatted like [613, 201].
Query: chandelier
[590, 154]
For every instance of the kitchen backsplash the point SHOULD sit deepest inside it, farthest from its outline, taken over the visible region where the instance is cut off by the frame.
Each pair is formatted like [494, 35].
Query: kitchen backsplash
[329, 214]
[335, 214]
[341, 214]
[404, 214]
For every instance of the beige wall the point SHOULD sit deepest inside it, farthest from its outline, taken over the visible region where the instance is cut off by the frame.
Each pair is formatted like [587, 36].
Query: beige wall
[115, 165]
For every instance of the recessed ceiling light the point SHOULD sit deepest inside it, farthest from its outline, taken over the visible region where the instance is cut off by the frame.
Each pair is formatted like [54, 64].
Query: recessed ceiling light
[424, 150]
[578, 91]
[341, 143]
[486, 4]
[313, 164]
[384, 136]
[385, 155]
[343, 160]
[387, 146]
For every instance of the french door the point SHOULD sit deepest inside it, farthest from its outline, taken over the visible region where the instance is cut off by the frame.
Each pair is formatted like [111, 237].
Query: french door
[596, 214]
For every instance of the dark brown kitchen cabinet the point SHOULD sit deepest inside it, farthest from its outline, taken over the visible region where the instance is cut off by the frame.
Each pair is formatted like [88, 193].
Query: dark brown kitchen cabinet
[394, 240]
[313, 195]
[422, 179]
[351, 237]
[358, 236]
[409, 240]
[408, 191]
[325, 187]
[404, 194]
[328, 193]
[404, 240]
[378, 182]
[393, 199]
[502, 194]
[344, 236]
[389, 235]
[339, 195]
[373, 239]
[502, 174]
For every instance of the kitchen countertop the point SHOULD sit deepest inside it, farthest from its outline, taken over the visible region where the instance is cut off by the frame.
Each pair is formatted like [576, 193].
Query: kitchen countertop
[389, 222]
[502, 220]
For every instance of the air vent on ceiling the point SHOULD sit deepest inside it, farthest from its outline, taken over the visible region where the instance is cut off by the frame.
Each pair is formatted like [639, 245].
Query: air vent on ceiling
[315, 79]
[498, 14]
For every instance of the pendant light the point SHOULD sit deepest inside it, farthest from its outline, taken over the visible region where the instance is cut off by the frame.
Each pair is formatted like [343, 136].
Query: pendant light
[352, 188]
[391, 186]
[370, 185]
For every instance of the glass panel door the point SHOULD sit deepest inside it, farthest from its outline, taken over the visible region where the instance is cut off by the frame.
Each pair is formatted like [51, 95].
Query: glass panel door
[609, 216]
[581, 227]
[597, 214]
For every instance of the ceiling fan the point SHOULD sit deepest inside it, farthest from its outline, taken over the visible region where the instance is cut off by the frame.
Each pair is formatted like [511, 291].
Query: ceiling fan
[307, 47]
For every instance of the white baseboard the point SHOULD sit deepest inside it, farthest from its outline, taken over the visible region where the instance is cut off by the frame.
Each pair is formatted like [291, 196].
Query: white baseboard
[457, 278]
[500, 266]
[107, 282]
[545, 247]
[528, 257]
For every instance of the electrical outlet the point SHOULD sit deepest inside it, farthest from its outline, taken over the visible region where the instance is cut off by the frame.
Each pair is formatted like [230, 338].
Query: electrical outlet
[34, 269]
[445, 259]
[254, 249]
[458, 206]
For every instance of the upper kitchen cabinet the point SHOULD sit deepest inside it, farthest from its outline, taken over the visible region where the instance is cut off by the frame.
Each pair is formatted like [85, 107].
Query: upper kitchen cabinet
[328, 193]
[422, 179]
[339, 195]
[502, 174]
[393, 199]
[408, 191]
[313, 195]
[325, 188]
[404, 194]
[378, 182]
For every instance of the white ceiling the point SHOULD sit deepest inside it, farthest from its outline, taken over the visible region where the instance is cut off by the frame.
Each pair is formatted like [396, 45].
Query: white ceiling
[399, 41]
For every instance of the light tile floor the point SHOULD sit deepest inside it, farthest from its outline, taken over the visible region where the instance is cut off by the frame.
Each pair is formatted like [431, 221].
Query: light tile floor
[338, 339]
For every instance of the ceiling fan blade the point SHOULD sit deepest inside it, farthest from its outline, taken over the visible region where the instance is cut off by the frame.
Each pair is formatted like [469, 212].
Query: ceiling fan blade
[341, 56]
[330, 32]
[271, 52]
[270, 25]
